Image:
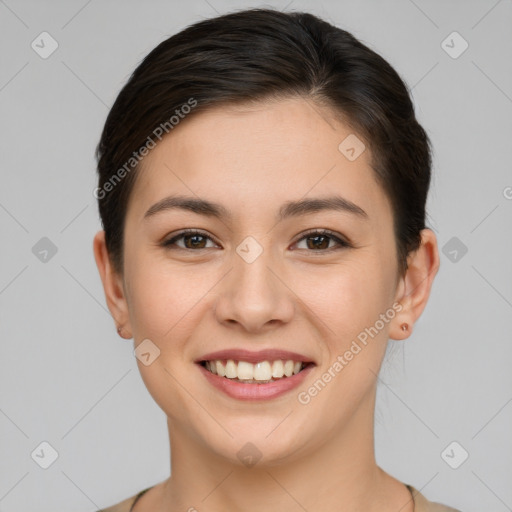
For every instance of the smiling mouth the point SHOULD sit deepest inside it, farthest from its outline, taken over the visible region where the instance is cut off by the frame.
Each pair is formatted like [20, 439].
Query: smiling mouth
[260, 373]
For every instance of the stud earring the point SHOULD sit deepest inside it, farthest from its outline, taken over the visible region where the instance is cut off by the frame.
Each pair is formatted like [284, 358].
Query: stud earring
[119, 329]
[404, 327]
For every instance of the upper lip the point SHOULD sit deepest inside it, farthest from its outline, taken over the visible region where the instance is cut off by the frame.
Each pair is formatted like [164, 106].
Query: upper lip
[254, 357]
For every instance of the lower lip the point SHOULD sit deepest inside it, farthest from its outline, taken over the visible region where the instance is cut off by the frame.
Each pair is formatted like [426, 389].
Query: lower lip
[242, 391]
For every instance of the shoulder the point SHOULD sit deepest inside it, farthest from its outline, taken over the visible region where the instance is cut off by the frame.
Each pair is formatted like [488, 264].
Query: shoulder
[122, 506]
[421, 504]
[125, 505]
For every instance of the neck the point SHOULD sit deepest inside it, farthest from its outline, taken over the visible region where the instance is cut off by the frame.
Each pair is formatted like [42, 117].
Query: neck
[341, 469]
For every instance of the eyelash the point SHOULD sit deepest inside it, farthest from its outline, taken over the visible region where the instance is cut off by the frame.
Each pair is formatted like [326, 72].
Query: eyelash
[171, 243]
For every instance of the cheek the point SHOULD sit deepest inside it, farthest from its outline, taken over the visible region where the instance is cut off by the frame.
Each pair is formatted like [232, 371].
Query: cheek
[167, 300]
[346, 298]
[352, 300]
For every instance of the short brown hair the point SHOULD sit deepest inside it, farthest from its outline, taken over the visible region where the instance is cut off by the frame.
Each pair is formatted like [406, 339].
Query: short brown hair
[258, 54]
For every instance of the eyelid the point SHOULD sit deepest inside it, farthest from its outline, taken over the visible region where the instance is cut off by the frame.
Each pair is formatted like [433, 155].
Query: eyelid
[171, 241]
[341, 241]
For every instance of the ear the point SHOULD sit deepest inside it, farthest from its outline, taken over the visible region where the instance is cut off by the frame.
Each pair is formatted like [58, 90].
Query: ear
[112, 285]
[413, 289]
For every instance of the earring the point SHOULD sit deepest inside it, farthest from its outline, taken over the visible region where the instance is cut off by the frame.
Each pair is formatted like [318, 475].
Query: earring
[119, 329]
[404, 327]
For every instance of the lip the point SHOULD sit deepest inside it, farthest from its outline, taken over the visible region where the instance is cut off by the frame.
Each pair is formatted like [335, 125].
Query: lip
[255, 357]
[242, 391]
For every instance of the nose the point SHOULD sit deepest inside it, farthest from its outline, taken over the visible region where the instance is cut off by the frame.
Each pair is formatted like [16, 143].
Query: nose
[254, 295]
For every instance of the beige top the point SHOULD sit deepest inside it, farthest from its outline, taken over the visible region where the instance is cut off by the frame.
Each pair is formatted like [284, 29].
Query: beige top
[421, 504]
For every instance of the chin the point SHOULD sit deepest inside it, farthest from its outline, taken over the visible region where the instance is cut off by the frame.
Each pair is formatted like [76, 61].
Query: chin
[257, 441]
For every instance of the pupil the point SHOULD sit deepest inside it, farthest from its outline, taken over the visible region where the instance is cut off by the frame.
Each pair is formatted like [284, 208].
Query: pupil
[316, 244]
[194, 237]
[318, 241]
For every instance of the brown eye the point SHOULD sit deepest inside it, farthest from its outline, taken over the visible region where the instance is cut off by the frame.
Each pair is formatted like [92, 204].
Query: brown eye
[316, 241]
[194, 241]
[321, 241]
[191, 240]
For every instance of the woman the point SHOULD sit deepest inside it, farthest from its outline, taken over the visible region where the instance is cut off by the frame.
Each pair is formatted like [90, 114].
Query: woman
[262, 189]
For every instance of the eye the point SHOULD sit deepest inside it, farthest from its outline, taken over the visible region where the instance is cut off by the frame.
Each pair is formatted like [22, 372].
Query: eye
[318, 241]
[192, 240]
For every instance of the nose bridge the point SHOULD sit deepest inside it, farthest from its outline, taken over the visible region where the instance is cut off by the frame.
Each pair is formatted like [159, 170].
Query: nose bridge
[252, 295]
[253, 277]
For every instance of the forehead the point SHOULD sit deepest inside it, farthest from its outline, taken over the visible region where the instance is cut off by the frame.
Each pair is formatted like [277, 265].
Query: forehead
[255, 157]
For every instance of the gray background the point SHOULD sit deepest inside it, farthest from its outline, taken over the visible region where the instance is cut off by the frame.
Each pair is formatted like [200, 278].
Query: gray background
[67, 378]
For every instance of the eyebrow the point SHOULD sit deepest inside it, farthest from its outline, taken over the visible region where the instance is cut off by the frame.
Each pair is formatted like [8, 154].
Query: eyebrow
[288, 209]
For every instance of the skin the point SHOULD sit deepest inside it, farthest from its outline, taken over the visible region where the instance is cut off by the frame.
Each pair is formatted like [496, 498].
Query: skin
[293, 296]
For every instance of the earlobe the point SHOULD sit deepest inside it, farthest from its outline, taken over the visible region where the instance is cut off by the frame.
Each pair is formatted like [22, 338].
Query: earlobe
[414, 288]
[112, 286]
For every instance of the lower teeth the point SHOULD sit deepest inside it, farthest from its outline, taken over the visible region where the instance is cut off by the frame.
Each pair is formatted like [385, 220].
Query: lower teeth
[252, 381]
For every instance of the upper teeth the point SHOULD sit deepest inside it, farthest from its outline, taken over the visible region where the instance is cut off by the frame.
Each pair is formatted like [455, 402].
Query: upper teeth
[263, 371]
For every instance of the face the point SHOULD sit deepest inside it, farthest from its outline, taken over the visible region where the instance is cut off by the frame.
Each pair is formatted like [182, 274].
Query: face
[260, 278]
